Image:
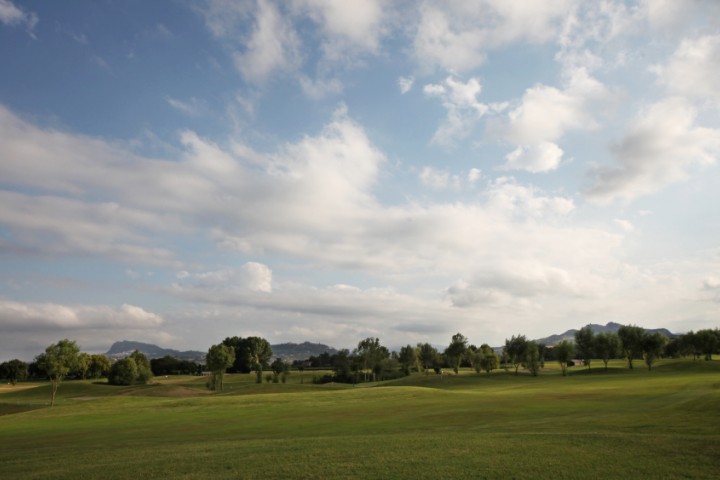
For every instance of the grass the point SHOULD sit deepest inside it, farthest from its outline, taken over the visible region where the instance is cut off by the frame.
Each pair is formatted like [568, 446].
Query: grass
[614, 424]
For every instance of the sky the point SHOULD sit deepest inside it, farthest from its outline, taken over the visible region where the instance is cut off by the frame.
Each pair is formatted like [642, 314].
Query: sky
[177, 172]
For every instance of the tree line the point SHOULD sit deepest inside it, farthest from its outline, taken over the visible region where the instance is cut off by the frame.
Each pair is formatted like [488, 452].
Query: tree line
[370, 360]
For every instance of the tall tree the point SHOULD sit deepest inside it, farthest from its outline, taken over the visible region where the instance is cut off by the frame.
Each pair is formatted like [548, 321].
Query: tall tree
[607, 346]
[707, 342]
[84, 364]
[219, 358]
[371, 354]
[408, 358]
[57, 362]
[489, 359]
[564, 352]
[584, 344]
[515, 349]
[14, 370]
[532, 358]
[427, 354]
[456, 350]
[144, 371]
[652, 347]
[631, 342]
[123, 372]
[99, 366]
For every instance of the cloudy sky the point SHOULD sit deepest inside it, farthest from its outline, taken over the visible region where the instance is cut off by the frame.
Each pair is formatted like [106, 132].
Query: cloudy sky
[177, 172]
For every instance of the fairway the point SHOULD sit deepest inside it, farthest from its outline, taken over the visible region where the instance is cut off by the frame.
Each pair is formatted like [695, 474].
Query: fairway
[615, 424]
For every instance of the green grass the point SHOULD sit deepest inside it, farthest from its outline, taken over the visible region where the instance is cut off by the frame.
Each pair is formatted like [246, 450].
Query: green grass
[614, 424]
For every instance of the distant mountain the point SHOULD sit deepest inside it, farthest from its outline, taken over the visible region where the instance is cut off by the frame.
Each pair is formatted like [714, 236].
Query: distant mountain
[300, 351]
[126, 347]
[286, 351]
[611, 327]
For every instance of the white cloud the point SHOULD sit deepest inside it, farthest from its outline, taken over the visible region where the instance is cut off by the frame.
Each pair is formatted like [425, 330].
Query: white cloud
[693, 69]
[94, 327]
[250, 277]
[11, 14]
[272, 46]
[474, 175]
[193, 107]
[462, 105]
[711, 283]
[319, 89]
[348, 27]
[624, 224]
[456, 35]
[405, 84]
[434, 178]
[661, 147]
[543, 157]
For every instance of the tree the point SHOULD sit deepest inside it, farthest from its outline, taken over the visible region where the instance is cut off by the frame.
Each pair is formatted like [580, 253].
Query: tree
[280, 370]
[123, 372]
[408, 357]
[489, 359]
[83, 364]
[707, 342]
[371, 354]
[99, 366]
[427, 354]
[652, 347]
[219, 358]
[57, 362]
[131, 370]
[532, 358]
[14, 370]
[564, 353]
[607, 346]
[515, 349]
[584, 344]
[455, 351]
[631, 342]
[144, 372]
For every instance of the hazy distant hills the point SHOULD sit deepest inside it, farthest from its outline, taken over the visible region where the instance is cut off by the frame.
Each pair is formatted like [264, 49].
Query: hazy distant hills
[611, 327]
[126, 347]
[302, 351]
[286, 351]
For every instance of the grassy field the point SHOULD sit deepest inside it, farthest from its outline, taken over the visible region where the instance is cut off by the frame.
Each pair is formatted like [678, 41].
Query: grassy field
[614, 424]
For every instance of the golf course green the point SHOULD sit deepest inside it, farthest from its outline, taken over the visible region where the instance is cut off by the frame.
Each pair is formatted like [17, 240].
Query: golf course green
[618, 423]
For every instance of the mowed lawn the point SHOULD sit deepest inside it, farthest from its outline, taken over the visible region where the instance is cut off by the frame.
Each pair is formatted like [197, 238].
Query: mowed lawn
[615, 424]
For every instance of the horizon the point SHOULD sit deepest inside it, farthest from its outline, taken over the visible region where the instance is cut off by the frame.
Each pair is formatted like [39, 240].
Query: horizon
[185, 172]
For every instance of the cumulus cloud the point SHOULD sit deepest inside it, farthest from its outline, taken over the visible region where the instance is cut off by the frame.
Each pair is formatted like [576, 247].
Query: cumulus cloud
[456, 36]
[462, 105]
[661, 147]
[543, 157]
[95, 327]
[405, 84]
[693, 68]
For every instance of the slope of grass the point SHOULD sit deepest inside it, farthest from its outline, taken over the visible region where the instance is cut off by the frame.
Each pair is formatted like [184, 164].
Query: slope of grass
[661, 424]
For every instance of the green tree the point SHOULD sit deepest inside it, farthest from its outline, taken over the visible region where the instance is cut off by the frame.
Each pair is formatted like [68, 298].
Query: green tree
[607, 346]
[123, 372]
[408, 358]
[652, 347]
[57, 362]
[532, 358]
[99, 366]
[515, 350]
[371, 354]
[427, 354]
[631, 342]
[585, 344]
[144, 372]
[564, 353]
[489, 359]
[219, 358]
[455, 351]
[14, 370]
[83, 364]
[707, 342]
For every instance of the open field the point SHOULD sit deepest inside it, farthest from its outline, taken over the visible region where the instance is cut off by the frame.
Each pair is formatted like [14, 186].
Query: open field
[615, 424]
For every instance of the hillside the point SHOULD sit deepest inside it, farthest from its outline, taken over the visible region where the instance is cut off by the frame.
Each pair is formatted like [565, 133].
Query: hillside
[126, 347]
[611, 327]
[286, 351]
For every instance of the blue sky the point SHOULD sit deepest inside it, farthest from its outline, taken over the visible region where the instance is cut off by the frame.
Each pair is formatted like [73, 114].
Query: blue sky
[178, 172]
